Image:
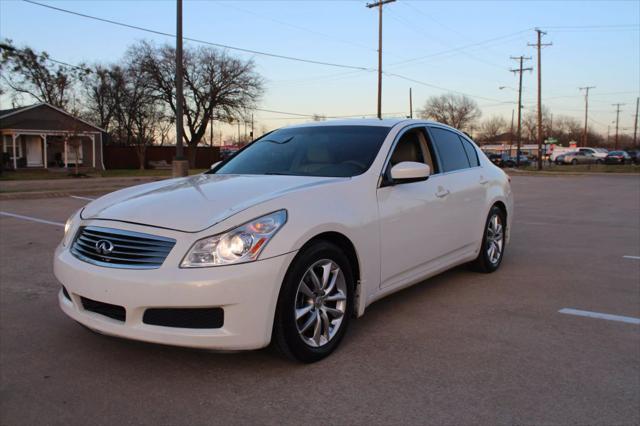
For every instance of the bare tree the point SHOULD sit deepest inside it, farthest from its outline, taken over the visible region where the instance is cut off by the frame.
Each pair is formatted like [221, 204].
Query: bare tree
[216, 86]
[26, 72]
[458, 111]
[530, 124]
[103, 89]
[140, 109]
[567, 129]
[492, 127]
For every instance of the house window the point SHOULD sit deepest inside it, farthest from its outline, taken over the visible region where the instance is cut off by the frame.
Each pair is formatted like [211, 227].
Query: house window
[7, 146]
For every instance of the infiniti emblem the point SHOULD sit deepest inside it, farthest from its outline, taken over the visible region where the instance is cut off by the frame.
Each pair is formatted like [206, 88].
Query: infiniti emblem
[104, 247]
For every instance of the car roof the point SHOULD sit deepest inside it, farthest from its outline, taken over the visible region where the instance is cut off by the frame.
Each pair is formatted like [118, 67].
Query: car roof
[373, 122]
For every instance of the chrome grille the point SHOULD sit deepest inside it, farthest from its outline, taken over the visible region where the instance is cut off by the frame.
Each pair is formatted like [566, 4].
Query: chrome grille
[116, 248]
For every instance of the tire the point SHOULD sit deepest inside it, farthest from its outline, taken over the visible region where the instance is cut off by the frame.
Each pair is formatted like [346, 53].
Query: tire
[574, 162]
[308, 345]
[598, 161]
[485, 262]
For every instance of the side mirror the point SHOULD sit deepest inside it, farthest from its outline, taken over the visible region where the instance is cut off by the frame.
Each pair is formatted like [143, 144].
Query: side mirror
[214, 165]
[409, 171]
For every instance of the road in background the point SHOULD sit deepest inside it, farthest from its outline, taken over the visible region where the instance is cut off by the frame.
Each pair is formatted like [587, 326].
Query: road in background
[461, 348]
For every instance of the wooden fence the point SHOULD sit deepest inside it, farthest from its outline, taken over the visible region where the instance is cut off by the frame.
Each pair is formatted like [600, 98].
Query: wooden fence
[125, 157]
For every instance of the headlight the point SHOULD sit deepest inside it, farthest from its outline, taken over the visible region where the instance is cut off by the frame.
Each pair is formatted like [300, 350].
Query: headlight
[238, 245]
[69, 225]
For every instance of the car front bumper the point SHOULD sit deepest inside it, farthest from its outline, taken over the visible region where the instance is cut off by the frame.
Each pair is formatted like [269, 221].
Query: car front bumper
[247, 293]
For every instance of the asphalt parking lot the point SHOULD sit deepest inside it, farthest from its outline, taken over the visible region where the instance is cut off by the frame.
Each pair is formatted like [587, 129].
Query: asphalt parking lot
[461, 348]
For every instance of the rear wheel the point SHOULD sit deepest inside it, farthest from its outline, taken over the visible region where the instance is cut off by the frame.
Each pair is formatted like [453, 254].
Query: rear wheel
[315, 303]
[574, 161]
[493, 242]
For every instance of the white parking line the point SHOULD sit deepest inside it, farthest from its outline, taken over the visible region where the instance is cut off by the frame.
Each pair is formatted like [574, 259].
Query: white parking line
[578, 312]
[32, 219]
[81, 198]
[632, 257]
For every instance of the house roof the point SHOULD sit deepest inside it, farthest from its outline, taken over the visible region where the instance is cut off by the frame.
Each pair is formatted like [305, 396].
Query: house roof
[10, 111]
[11, 118]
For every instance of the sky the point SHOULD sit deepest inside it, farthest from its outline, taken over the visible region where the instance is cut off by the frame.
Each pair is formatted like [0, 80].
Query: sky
[443, 46]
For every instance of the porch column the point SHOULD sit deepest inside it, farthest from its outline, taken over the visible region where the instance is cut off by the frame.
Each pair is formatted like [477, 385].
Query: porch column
[14, 136]
[93, 146]
[44, 143]
[66, 163]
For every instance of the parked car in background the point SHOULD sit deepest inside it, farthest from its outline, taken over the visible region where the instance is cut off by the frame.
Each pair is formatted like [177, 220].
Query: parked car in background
[559, 159]
[288, 240]
[580, 157]
[497, 159]
[618, 157]
[512, 161]
[558, 151]
[635, 155]
[596, 152]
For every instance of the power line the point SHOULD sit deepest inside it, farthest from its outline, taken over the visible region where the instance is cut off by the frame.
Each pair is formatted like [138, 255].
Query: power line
[354, 67]
[413, 80]
[297, 27]
[456, 49]
[428, 36]
[591, 26]
[225, 46]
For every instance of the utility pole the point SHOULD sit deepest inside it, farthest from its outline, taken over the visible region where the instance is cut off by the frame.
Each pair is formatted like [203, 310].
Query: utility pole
[511, 133]
[635, 126]
[539, 45]
[586, 112]
[180, 166]
[379, 4]
[617, 122]
[411, 105]
[520, 70]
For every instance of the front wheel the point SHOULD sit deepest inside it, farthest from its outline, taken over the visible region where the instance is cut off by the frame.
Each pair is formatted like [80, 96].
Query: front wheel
[574, 162]
[493, 242]
[315, 303]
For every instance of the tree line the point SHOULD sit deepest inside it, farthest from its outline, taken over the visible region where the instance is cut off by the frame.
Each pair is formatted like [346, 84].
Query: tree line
[462, 112]
[133, 99]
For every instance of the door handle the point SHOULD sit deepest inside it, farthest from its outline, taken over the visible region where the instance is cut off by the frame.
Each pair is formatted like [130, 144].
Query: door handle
[483, 180]
[442, 192]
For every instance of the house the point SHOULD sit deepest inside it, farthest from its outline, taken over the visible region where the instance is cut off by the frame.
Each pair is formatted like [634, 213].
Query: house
[43, 136]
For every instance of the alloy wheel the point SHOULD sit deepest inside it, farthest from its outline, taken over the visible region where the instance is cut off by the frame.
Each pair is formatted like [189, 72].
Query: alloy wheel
[495, 239]
[321, 302]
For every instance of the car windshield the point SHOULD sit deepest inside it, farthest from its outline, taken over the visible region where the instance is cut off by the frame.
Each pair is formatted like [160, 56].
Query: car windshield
[616, 153]
[332, 151]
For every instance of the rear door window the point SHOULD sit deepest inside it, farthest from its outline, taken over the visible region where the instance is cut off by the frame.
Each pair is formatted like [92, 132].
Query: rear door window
[472, 155]
[449, 149]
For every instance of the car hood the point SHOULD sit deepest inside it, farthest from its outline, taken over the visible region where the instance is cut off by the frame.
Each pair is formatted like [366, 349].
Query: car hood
[195, 203]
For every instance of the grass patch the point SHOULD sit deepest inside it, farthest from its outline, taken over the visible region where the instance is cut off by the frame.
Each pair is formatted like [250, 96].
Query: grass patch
[45, 174]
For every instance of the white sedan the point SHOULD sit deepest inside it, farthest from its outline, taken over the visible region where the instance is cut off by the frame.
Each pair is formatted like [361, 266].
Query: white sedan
[286, 241]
